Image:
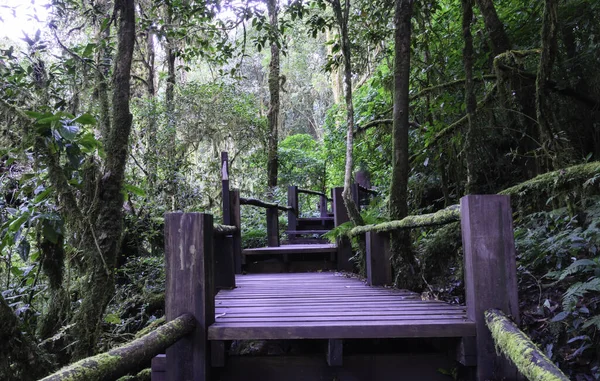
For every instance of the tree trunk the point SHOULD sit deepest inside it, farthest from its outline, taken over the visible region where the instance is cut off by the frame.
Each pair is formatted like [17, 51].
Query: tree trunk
[547, 134]
[172, 164]
[20, 357]
[151, 157]
[103, 61]
[406, 264]
[341, 16]
[273, 113]
[495, 28]
[471, 102]
[106, 226]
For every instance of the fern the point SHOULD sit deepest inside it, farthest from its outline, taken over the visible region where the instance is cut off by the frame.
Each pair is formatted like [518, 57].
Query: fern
[594, 320]
[578, 290]
[581, 265]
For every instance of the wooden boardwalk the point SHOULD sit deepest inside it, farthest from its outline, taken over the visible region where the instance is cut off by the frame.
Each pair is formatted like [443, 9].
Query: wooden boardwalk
[293, 249]
[329, 306]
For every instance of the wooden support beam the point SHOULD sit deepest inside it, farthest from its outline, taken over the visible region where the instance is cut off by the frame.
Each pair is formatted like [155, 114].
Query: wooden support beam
[158, 366]
[272, 227]
[236, 220]
[189, 289]
[340, 214]
[293, 213]
[224, 262]
[335, 352]
[217, 353]
[344, 253]
[490, 274]
[379, 267]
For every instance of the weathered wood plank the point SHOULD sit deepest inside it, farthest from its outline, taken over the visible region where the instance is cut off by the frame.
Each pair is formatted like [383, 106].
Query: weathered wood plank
[224, 262]
[217, 353]
[328, 330]
[292, 249]
[490, 273]
[189, 289]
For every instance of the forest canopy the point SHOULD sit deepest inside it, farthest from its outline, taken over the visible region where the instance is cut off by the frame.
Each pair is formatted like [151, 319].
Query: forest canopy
[113, 113]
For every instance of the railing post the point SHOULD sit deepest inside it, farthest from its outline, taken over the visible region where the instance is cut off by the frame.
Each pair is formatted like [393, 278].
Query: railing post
[236, 220]
[379, 267]
[323, 206]
[490, 274]
[224, 262]
[272, 227]
[340, 214]
[190, 289]
[225, 188]
[292, 214]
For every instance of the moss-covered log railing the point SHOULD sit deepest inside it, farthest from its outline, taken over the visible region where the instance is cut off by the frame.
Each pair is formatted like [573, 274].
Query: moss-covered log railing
[519, 348]
[127, 358]
[441, 217]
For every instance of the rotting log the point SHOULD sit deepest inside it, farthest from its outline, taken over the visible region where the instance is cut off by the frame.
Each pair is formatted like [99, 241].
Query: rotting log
[441, 217]
[224, 229]
[263, 204]
[519, 348]
[129, 357]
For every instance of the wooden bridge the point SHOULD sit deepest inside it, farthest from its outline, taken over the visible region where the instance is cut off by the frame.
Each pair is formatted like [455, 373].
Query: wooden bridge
[347, 320]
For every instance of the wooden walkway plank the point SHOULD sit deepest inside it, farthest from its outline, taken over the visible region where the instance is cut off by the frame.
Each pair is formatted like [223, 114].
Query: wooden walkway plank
[329, 306]
[293, 249]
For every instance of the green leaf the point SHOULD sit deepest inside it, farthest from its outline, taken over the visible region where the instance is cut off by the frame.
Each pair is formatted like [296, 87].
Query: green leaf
[16, 224]
[68, 132]
[112, 319]
[85, 119]
[560, 316]
[135, 190]
[23, 249]
[42, 195]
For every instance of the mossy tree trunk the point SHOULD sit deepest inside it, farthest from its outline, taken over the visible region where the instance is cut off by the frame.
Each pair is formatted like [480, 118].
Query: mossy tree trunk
[405, 262]
[103, 234]
[470, 101]
[273, 112]
[20, 356]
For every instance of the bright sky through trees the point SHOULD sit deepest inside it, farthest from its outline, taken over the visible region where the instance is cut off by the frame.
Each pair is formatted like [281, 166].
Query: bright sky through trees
[22, 16]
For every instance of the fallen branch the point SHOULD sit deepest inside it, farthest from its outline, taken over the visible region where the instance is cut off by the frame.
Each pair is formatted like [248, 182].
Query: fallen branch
[129, 357]
[519, 348]
[263, 204]
[441, 217]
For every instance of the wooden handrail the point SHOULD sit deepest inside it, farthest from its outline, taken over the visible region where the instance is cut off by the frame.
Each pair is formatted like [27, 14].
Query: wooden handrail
[441, 217]
[129, 357]
[519, 348]
[263, 204]
[219, 229]
[316, 193]
[367, 190]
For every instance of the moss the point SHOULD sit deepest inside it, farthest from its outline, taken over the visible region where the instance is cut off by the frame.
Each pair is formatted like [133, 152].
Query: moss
[519, 348]
[566, 182]
[441, 217]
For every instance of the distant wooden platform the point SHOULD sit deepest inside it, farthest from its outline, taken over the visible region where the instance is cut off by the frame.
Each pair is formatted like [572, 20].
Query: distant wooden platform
[329, 306]
[293, 249]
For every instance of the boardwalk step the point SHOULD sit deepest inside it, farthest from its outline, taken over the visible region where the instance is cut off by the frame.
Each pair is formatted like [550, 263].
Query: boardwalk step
[292, 249]
[305, 232]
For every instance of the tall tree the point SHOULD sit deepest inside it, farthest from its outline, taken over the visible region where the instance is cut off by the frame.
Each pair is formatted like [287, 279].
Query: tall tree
[398, 203]
[273, 112]
[471, 102]
[494, 26]
[342, 15]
